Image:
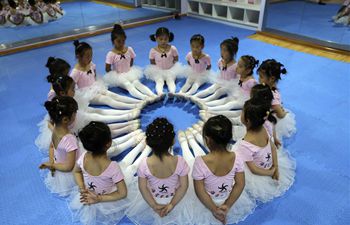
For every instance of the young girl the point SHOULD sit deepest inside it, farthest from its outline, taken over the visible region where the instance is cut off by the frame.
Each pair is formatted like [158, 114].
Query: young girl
[218, 178]
[64, 146]
[270, 73]
[199, 63]
[57, 67]
[228, 76]
[84, 75]
[102, 190]
[268, 175]
[14, 16]
[237, 97]
[35, 13]
[2, 15]
[124, 74]
[163, 58]
[162, 180]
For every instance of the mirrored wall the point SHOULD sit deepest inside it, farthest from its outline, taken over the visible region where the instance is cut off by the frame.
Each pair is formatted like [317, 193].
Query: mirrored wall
[79, 17]
[322, 22]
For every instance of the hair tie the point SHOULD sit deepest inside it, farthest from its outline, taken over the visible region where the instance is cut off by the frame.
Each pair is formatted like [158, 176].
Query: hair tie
[267, 115]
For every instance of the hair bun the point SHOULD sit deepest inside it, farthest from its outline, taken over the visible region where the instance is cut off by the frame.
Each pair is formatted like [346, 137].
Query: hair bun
[152, 37]
[283, 71]
[117, 27]
[50, 60]
[51, 78]
[235, 39]
[76, 43]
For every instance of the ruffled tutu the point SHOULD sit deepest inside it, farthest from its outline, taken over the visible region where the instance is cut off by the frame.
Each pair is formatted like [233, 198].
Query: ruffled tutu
[264, 188]
[107, 213]
[45, 134]
[62, 183]
[286, 127]
[141, 213]
[242, 208]
[113, 78]
[203, 77]
[153, 72]
[84, 95]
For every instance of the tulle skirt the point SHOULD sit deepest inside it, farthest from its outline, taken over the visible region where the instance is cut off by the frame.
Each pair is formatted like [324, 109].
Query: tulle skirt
[84, 95]
[203, 77]
[242, 208]
[108, 213]
[62, 183]
[264, 188]
[113, 78]
[286, 127]
[45, 134]
[141, 213]
[153, 72]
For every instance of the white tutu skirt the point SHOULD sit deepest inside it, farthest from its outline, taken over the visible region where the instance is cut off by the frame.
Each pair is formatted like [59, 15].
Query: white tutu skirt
[84, 95]
[141, 213]
[48, 18]
[62, 183]
[286, 127]
[243, 207]
[114, 79]
[342, 20]
[44, 138]
[107, 213]
[203, 77]
[153, 72]
[264, 188]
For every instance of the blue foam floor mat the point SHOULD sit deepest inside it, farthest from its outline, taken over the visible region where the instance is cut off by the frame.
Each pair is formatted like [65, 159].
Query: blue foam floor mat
[316, 89]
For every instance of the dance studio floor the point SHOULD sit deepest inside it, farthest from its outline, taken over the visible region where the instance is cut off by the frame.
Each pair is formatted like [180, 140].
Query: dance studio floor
[308, 19]
[316, 89]
[79, 14]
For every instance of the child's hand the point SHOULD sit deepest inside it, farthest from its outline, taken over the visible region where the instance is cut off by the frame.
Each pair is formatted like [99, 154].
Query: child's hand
[158, 209]
[166, 210]
[220, 215]
[277, 143]
[46, 165]
[276, 174]
[88, 197]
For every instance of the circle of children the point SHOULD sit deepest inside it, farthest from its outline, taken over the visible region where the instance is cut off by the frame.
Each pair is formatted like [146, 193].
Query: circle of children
[228, 181]
[31, 12]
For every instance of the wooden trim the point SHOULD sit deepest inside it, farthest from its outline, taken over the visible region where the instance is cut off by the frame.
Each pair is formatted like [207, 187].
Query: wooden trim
[305, 43]
[79, 36]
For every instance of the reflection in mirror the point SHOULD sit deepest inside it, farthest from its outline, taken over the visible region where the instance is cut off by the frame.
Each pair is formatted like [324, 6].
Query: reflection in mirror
[323, 21]
[24, 22]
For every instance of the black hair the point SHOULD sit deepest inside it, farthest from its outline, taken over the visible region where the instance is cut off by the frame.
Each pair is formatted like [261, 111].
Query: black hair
[162, 31]
[1, 6]
[199, 38]
[81, 47]
[231, 45]
[60, 83]
[57, 66]
[219, 130]
[257, 113]
[250, 63]
[61, 106]
[117, 30]
[262, 94]
[32, 2]
[272, 68]
[12, 4]
[95, 136]
[160, 136]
